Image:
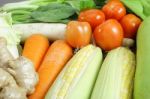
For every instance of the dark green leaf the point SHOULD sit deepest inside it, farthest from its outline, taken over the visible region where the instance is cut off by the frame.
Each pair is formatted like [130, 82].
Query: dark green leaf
[80, 5]
[53, 12]
[100, 2]
[86, 4]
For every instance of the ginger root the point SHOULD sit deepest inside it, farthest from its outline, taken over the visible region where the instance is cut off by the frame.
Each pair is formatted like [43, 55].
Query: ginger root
[13, 93]
[5, 55]
[17, 76]
[24, 73]
[6, 79]
[9, 88]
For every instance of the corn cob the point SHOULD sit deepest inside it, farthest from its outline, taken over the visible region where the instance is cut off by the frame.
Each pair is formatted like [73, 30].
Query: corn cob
[77, 79]
[115, 79]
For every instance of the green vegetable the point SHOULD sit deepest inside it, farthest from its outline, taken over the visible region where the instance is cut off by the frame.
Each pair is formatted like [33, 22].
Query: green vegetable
[139, 7]
[21, 10]
[77, 79]
[6, 31]
[100, 3]
[81, 4]
[25, 5]
[115, 79]
[53, 12]
[142, 79]
[46, 10]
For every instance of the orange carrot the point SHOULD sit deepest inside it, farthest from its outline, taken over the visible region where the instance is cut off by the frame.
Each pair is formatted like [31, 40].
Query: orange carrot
[35, 49]
[57, 56]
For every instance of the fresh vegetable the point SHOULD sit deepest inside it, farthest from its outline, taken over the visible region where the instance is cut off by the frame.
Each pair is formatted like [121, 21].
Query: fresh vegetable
[139, 7]
[53, 31]
[21, 11]
[78, 34]
[80, 5]
[11, 35]
[5, 54]
[61, 11]
[24, 73]
[20, 77]
[100, 3]
[109, 35]
[21, 68]
[53, 12]
[78, 76]
[142, 79]
[9, 87]
[114, 9]
[130, 24]
[115, 79]
[56, 57]
[94, 16]
[25, 5]
[13, 93]
[35, 48]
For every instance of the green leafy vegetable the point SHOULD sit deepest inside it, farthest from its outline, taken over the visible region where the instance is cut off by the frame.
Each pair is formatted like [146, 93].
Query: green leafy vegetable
[100, 2]
[46, 10]
[139, 7]
[21, 10]
[6, 31]
[29, 4]
[81, 4]
[53, 12]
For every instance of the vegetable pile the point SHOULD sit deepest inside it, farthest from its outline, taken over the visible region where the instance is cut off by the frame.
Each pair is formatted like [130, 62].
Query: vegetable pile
[69, 49]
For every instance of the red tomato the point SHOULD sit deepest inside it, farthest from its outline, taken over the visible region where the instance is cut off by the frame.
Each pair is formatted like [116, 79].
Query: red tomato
[130, 24]
[93, 16]
[114, 10]
[78, 34]
[109, 35]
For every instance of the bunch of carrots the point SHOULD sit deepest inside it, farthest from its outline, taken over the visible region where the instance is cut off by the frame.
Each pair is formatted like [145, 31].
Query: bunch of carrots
[48, 60]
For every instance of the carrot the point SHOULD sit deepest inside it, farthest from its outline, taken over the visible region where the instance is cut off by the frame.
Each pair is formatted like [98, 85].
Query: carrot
[35, 48]
[56, 57]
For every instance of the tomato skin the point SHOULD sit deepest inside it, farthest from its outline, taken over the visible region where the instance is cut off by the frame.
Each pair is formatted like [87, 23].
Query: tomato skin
[93, 16]
[78, 34]
[130, 24]
[114, 10]
[109, 35]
